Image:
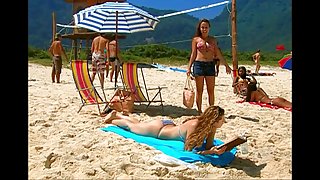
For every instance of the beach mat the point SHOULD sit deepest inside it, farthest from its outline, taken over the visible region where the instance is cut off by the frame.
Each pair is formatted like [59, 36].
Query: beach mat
[266, 105]
[166, 68]
[175, 149]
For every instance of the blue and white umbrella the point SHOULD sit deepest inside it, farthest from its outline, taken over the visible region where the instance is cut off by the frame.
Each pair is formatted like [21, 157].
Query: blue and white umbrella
[117, 17]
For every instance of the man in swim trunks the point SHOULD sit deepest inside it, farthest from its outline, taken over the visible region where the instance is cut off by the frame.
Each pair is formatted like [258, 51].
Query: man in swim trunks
[56, 50]
[113, 57]
[193, 131]
[98, 46]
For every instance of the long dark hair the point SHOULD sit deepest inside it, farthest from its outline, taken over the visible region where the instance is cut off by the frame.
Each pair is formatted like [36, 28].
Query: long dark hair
[198, 31]
[244, 75]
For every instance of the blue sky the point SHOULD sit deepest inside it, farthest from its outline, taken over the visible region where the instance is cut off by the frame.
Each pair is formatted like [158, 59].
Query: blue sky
[180, 5]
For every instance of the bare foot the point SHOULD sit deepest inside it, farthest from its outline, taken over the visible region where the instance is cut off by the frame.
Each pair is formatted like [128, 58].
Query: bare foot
[111, 116]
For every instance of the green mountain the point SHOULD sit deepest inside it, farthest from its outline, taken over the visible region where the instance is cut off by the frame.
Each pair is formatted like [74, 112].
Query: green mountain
[261, 24]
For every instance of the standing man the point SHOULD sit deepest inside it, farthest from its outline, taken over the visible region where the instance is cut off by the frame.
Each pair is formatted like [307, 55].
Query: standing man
[98, 46]
[256, 58]
[56, 50]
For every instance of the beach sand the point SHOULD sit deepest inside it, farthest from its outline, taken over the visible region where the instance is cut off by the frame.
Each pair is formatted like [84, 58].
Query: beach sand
[64, 144]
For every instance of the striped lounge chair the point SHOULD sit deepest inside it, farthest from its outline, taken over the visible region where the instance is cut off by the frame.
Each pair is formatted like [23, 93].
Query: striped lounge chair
[129, 76]
[87, 91]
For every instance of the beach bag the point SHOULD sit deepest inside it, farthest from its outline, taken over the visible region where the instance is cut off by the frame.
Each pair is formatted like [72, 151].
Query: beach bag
[188, 93]
[122, 101]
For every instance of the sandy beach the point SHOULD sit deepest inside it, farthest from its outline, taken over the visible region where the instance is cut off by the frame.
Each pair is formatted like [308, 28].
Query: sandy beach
[64, 144]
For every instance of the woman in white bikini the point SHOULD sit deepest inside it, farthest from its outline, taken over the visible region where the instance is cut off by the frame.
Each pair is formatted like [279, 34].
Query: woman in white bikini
[205, 52]
[193, 131]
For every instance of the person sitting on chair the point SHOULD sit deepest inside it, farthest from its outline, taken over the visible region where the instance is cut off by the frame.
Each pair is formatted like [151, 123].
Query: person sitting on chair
[193, 131]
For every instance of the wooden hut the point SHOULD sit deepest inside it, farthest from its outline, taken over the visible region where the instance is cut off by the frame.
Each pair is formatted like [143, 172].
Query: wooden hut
[79, 34]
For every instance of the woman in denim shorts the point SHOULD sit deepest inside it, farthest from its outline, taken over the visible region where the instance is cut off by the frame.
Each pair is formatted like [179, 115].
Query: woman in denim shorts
[205, 52]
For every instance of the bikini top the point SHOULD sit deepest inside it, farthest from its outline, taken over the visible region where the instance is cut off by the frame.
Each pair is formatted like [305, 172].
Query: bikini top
[205, 46]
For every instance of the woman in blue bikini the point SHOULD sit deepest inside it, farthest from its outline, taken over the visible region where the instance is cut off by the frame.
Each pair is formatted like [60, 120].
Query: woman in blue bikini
[193, 131]
[205, 52]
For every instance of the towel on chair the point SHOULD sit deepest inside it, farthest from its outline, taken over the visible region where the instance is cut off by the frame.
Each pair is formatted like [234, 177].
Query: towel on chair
[175, 149]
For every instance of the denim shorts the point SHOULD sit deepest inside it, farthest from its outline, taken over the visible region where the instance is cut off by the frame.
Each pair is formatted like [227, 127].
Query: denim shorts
[201, 68]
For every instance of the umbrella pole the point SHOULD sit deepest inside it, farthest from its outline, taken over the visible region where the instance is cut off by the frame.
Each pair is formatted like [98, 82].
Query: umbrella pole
[116, 62]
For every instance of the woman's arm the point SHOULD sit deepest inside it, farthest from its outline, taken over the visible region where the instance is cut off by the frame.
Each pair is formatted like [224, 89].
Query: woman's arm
[221, 58]
[193, 55]
[235, 81]
[253, 80]
[210, 148]
[209, 139]
[214, 150]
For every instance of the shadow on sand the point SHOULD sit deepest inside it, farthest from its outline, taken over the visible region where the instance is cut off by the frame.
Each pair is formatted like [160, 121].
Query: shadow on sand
[168, 110]
[233, 116]
[249, 167]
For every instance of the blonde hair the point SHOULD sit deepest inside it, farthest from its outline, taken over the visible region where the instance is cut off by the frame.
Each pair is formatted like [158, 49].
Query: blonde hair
[205, 125]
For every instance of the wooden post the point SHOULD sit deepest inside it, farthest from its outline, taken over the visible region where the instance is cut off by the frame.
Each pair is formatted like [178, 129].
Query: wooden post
[234, 38]
[117, 61]
[54, 26]
[75, 44]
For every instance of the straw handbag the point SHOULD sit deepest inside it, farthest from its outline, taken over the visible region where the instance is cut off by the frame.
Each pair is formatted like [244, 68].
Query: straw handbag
[123, 101]
[188, 93]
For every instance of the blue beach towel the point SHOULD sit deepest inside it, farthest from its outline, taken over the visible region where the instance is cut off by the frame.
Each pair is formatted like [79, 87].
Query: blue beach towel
[175, 149]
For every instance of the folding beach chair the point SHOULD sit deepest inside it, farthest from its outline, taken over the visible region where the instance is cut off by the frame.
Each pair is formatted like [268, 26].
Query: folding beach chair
[129, 76]
[87, 91]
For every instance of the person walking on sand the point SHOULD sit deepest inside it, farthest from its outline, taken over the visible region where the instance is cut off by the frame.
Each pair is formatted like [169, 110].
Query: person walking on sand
[193, 131]
[98, 57]
[204, 50]
[113, 56]
[56, 50]
[256, 58]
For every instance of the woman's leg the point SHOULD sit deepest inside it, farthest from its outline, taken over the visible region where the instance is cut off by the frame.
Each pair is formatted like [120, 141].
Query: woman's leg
[279, 101]
[210, 82]
[107, 69]
[151, 128]
[114, 115]
[112, 71]
[199, 86]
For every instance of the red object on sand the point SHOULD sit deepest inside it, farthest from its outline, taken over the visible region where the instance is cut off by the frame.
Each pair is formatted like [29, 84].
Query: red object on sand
[266, 105]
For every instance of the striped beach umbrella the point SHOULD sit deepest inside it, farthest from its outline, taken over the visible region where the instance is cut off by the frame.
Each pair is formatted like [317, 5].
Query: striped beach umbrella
[116, 17]
[286, 62]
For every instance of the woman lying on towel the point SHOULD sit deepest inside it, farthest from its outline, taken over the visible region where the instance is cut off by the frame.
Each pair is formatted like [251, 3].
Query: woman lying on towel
[193, 131]
[255, 94]
[247, 87]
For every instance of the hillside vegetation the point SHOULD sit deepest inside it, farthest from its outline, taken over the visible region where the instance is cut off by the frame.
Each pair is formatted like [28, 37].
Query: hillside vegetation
[159, 54]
